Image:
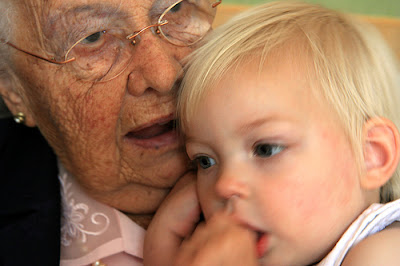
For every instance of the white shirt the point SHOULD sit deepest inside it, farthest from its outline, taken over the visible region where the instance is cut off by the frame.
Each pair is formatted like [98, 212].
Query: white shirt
[371, 221]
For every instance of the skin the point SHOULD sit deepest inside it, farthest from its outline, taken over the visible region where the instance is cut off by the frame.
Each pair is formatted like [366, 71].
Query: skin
[93, 128]
[378, 249]
[305, 194]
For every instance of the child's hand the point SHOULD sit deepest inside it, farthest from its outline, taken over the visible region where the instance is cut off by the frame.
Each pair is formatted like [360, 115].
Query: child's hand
[176, 219]
[220, 241]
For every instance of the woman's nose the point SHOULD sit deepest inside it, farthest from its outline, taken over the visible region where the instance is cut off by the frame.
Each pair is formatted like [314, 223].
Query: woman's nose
[155, 65]
[231, 183]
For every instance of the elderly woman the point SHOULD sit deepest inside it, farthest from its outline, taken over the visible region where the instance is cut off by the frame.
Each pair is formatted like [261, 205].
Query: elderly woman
[97, 78]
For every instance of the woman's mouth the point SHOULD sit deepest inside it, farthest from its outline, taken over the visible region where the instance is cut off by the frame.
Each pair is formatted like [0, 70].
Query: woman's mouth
[155, 135]
[152, 131]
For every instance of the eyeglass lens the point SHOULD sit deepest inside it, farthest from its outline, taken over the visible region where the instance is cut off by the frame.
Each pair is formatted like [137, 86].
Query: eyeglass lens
[188, 21]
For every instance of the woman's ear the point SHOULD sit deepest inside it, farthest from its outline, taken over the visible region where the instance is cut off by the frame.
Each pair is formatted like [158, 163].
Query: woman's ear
[381, 152]
[14, 102]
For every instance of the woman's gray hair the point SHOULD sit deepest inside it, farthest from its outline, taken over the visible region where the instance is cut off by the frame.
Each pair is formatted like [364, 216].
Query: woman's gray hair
[5, 34]
[5, 20]
[5, 23]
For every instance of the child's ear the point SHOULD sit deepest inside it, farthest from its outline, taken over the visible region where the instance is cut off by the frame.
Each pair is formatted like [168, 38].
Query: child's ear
[381, 152]
[15, 103]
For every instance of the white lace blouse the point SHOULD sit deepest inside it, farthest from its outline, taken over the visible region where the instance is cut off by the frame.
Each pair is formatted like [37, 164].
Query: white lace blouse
[93, 233]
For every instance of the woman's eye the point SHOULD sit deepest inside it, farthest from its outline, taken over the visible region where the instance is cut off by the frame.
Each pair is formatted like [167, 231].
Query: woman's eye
[93, 37]
[96, 46]
[176, 8]
[267, 150]
[205, 162]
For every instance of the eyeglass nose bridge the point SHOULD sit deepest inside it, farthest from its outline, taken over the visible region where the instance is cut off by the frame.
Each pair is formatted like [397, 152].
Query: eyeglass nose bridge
[135, 34]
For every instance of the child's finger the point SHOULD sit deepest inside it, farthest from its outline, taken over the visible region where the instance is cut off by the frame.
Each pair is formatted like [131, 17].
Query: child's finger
[219, 242]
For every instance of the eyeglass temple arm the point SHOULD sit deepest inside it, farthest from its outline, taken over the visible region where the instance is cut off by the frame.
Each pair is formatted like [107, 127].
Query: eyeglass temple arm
[39, 57]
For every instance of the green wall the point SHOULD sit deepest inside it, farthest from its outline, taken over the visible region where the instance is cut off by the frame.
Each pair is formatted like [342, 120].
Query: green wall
[389, 8]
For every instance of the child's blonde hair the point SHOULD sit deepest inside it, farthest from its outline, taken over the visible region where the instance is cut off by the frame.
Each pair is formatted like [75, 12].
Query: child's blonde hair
[352, 65]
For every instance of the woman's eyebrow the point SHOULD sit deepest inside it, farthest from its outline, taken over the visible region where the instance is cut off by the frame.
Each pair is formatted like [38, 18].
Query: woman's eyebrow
[66, 24]
[66, 15]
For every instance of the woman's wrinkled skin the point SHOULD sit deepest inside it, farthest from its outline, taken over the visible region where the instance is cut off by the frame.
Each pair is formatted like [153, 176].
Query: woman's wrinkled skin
[114, 137]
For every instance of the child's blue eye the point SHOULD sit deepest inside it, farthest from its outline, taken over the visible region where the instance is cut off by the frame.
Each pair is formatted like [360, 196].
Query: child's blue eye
[205, 161]
[267, 150]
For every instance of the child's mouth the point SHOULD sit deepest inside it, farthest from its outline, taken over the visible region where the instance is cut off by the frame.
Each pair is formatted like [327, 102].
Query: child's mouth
[262, 244]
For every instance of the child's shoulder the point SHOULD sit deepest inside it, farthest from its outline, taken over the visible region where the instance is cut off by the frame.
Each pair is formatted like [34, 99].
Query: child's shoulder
[381, 248]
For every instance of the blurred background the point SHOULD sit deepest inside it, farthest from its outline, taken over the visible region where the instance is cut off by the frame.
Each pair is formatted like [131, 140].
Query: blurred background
[386, 8]
[383, 14]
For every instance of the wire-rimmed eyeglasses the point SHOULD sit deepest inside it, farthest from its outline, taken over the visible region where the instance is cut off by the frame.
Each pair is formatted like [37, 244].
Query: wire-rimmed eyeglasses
[102, 56]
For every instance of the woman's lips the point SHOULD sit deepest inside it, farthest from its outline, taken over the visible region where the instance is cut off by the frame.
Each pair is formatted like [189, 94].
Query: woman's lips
[151, 132]
[154, 136]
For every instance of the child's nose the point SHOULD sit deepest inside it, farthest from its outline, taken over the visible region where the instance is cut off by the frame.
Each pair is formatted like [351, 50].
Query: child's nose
[232, 183]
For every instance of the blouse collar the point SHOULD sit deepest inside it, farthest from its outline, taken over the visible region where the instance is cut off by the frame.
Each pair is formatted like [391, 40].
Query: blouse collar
[91, 230]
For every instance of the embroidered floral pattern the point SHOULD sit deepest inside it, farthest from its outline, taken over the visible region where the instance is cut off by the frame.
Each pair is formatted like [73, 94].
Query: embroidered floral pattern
[74, 214]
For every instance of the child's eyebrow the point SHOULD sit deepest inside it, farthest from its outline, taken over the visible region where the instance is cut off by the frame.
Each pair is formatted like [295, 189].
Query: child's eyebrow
[248, 127]
[191, 139]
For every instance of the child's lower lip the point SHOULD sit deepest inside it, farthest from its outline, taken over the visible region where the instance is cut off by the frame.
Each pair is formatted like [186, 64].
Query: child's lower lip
[262, 245]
